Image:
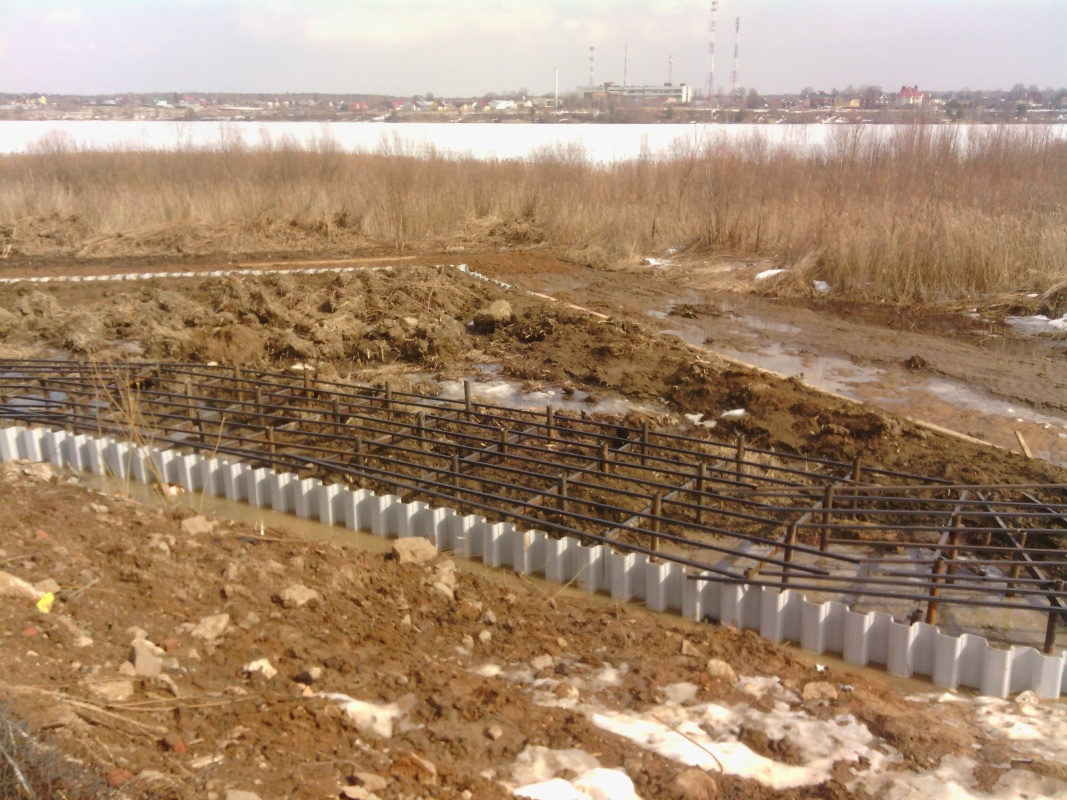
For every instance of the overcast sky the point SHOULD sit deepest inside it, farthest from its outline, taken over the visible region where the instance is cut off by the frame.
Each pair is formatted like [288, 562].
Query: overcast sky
[471, 47]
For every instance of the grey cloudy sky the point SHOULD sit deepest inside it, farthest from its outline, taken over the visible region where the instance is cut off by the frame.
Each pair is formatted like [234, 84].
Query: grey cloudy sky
[470, 47]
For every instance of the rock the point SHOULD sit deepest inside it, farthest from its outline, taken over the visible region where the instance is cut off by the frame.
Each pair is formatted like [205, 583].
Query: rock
[689, 649]
[309, 676]
[174, 742]
[12, 586]
[370, 781]
[240, 794]
[487, 318]
[819, 692]
[489, 618]
[261, 666]
[197, 525]
[566, 691]
[542, 662]
[485, 637]
[721, 671]
[1027, 698]
[45, 586]
[112, 691]
[211, 628]
[40, 470]
[296, 596]
[413, 550]
[118, 777]
[693, 784]
[444, 590]
[358, 793]
[147, 659]
[445, 573]
[494, 732]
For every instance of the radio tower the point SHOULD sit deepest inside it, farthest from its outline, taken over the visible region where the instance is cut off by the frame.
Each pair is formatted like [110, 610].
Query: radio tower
[591, 49]
[733, 75]
[711, 56]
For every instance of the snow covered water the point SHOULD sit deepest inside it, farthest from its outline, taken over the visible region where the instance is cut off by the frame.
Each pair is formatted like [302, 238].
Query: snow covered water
[599, 143]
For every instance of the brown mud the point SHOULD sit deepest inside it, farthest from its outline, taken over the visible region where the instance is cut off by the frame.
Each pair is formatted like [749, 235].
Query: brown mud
[378, 630]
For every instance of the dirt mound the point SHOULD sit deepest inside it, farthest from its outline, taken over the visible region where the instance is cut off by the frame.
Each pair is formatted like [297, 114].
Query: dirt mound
[184, 656]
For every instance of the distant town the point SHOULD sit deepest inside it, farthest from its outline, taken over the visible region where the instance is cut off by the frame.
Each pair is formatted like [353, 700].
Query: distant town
[606, 103]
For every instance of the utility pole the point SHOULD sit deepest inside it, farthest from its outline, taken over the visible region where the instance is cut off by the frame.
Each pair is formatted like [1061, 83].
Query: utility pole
[591, 51]
[733, 76]
[625, 61]
[711, 56]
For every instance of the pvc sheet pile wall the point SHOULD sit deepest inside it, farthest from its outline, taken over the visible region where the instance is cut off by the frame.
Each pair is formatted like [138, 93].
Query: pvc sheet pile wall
[861, 638]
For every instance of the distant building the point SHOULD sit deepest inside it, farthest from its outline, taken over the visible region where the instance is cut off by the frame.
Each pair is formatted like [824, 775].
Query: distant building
[910, 96]
[665, 93]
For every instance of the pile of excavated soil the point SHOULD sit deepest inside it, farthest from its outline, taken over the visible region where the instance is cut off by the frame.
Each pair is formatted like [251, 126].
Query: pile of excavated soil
[377, 323]
[185, 656]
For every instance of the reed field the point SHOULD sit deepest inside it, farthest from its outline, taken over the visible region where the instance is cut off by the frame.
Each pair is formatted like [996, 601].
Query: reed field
[935, 215]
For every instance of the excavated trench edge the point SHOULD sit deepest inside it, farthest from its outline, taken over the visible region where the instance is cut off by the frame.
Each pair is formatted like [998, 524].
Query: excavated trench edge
[871, 638]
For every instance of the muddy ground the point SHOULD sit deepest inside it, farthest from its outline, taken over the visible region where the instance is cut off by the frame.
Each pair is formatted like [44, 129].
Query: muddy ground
[377, 630]
[189, 657]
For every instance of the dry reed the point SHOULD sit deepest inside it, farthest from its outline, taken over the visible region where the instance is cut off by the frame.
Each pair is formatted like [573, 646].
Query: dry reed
[933, 215]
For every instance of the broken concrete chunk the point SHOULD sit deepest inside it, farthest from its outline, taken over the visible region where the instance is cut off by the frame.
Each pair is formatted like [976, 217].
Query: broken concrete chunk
[819, 692]
[261, 666]
[296, 596]
[721, 671]
[197, 525]
[12, 586]
[413, 550]
[147, 659]
[211, 628]
[112, 691]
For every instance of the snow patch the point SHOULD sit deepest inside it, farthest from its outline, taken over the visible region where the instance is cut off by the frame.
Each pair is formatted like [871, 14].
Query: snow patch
[820, 287]
[368, 717]
[768, 273]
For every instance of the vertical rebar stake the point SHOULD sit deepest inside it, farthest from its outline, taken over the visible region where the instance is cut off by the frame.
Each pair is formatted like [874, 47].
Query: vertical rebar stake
[604, 467]
[827, 507]
[644, 441]
[1017, 557]
[467, 404]
[657, 511]
[388, 395]
[857, 476]
[935, 591]
[270, 439]
[455, 470]
[420, 420]
[1053, 614]
[563, 494]
[702, 480]
[550, 422]
[740, 456]
[790, 541]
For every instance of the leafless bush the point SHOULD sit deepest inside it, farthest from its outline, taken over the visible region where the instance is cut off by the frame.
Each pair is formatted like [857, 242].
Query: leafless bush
[929, 214]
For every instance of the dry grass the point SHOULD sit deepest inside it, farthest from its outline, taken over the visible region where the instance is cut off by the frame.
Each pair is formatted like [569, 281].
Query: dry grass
[934, 215]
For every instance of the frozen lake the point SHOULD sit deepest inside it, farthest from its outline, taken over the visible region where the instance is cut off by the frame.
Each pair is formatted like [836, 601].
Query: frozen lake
[601, 143]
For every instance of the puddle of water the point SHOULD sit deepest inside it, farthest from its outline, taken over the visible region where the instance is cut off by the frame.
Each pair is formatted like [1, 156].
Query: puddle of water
[508, 393]
[948, 403]
[1037, 325]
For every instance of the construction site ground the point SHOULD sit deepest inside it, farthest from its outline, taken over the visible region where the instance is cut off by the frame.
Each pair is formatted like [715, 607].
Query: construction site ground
[333, 619]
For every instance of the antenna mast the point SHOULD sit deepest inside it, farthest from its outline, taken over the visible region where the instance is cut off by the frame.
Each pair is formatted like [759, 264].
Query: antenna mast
[733, 75]
[591, 49]
[711, 56]
[625, 61]
[670, 70]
